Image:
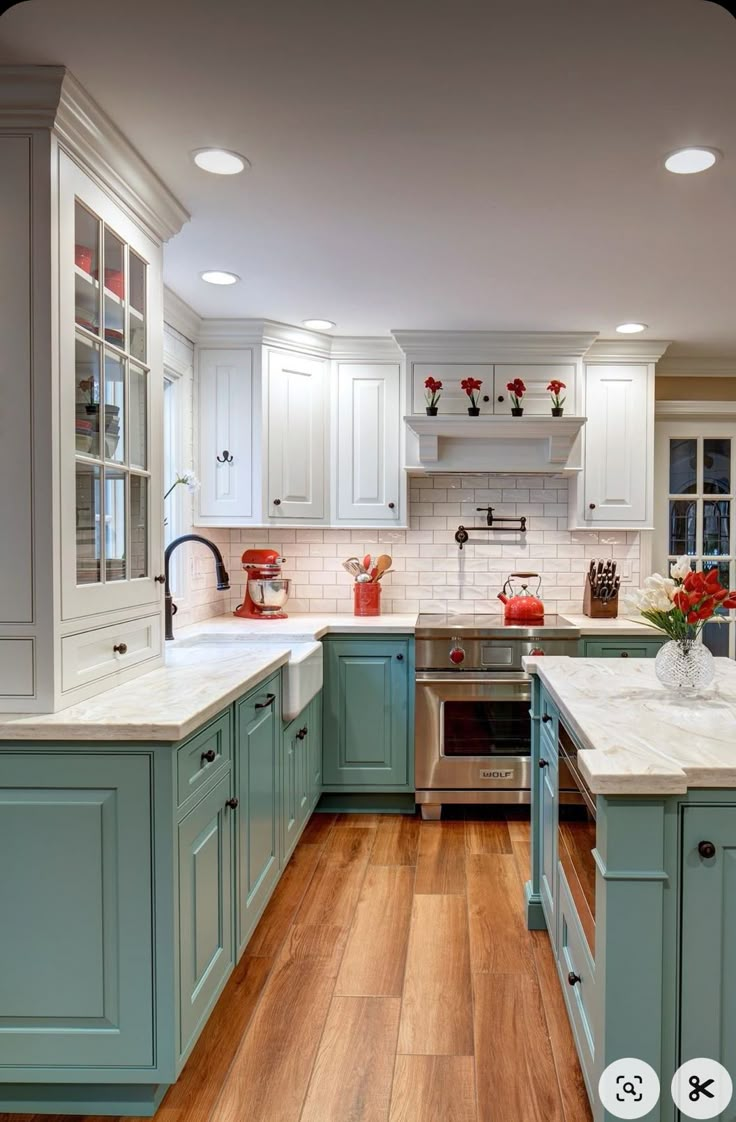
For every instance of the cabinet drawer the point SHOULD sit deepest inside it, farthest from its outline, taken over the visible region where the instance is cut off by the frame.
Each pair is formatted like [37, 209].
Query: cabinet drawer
[91, 655]
[548, 725]
[201, 757]
[574, 960]
[598, 649]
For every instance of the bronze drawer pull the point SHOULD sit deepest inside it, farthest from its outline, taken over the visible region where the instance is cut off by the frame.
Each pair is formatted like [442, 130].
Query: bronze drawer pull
[209, 756]
[120, 648]
[232, 803]
[270, 698]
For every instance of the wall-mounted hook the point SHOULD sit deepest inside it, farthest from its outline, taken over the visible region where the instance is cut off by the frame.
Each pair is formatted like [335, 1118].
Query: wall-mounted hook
[225, 458]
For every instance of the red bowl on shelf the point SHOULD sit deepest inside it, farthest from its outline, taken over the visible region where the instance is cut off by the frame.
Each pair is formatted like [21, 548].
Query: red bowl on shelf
[115, 282]
[83, 258]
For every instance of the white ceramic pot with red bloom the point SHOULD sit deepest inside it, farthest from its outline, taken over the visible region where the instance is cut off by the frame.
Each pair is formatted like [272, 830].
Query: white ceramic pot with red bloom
[433, 393]
[516, 389]
[472, 387]
[555, 388]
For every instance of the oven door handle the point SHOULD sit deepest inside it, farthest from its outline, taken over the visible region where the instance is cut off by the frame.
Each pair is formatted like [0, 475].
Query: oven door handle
[443, 677]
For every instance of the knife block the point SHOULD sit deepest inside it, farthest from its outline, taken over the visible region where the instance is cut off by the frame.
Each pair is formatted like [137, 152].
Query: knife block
[598, 609]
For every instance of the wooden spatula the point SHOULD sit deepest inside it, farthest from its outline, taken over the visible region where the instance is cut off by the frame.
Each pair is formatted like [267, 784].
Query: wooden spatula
[383, 564]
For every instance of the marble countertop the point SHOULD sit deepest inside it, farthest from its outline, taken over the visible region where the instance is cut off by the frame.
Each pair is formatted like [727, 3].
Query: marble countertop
[640, 738]
[619, 627]
[301, 628]
[167, 704]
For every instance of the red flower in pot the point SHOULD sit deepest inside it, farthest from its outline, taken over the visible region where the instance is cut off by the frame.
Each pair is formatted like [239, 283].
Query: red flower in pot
[433, 393]
[554, 388]
[516, 389]
[471, 386]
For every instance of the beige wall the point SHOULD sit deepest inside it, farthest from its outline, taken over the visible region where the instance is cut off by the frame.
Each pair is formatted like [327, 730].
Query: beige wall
[694, 389]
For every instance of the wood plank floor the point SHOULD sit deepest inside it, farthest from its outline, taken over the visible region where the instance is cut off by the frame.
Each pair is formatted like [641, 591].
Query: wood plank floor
[391, 979]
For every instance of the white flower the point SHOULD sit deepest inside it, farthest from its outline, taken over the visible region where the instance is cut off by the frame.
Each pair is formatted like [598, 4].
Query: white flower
[191, 481]
[655, 595]
[680, 568]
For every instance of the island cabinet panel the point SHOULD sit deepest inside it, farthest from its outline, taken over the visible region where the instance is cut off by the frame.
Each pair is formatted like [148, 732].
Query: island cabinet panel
[315, 750]
[75, 857]
[205, 907]
[258, 789]
[548, 814]
[707, 1009]
[366, 715]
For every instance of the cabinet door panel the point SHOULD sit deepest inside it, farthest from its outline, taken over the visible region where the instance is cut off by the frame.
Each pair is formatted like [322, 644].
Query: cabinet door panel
[451, 374]
[80, 989]
[315, 749]
[366, 715]
[205, 907]
[225, 397]
[296, 437]
[290, 814]
[707, 1008]
[259, 812]
[536, 377]
[548, 864]
[368, 441]
[618, 444]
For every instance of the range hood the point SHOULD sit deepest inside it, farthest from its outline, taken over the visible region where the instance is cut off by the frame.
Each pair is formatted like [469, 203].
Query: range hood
[494, 444]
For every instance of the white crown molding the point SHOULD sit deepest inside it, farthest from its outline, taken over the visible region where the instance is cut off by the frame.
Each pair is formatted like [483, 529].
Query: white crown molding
[493, 346]
[685, 366]
[360, 348]
[627, 350]
[262, 333]
[181, 317]
[50, 97]
[703, 410]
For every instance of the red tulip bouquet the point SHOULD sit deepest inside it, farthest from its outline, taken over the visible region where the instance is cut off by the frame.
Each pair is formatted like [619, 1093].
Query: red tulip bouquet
[471, 387]
[680, 606]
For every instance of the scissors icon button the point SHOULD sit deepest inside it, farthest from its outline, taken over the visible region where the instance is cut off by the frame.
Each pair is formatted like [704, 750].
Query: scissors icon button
[700, 1089]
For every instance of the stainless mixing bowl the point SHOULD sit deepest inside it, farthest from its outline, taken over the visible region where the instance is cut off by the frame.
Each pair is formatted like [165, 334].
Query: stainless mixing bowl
[269, 595]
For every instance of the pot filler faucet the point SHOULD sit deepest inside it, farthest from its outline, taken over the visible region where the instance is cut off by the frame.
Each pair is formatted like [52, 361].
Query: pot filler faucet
[223, 580]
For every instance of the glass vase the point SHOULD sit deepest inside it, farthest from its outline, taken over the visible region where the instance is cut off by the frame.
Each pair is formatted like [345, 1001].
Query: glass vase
[685, 665]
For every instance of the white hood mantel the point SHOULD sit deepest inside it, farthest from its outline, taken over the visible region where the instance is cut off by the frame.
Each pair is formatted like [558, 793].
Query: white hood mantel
[495, 441]
[496, 444]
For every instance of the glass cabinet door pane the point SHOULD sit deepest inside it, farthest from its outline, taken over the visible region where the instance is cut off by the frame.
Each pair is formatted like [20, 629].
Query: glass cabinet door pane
[88, 523]
[115, 525]
[137, 309]
[683, 467]
[716, 528]
[114, 407]
[137, 417]
[114, 252]
[138, 526]
[683, 528]
[717, 467]
[87, 396]
[86, 269]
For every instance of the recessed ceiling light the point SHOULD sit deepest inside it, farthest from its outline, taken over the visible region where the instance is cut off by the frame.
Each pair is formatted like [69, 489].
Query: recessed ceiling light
[689, 161]
[318, 324]
[220, 161]
[631, 328]
[218, 276]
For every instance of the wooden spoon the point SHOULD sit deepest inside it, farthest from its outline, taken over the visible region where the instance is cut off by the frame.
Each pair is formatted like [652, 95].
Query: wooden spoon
[383, 564]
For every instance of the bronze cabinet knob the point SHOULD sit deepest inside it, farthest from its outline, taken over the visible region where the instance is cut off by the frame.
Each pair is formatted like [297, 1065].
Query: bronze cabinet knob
[209, 756]
[232, 803]
[121, 648]
[707, 850]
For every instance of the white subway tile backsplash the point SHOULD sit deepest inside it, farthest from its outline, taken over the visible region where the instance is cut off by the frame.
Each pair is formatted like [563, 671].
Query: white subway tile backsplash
[430, 574]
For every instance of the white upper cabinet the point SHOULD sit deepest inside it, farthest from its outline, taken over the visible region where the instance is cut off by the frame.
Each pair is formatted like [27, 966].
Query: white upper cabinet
[296, 476]
[225, 460]
[619, 443]
[451, 374]
[536, 402]
[367, 469]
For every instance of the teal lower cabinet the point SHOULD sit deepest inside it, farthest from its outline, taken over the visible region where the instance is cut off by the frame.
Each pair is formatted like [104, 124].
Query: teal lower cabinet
[641, 921]
[301, 772]
[367, 711]
[131, 878]
[258, 788]
[600, 646]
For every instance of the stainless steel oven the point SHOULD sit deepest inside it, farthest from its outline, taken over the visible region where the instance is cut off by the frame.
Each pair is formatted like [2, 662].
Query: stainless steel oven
[472, 723]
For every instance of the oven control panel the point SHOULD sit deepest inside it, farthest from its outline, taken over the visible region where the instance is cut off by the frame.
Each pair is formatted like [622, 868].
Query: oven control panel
[464, 653]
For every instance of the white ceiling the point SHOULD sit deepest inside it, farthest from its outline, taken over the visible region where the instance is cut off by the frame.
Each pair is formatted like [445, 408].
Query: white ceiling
[450, 165]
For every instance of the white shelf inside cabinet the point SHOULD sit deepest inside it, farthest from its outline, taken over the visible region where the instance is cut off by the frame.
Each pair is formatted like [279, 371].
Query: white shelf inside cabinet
[556, 435]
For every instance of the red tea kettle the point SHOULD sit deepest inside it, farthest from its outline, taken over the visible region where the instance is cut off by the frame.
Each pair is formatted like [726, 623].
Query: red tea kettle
[523, 606]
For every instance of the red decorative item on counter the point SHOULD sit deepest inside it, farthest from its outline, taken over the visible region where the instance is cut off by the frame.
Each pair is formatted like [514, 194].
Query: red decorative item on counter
[523, 606]
[367, 598]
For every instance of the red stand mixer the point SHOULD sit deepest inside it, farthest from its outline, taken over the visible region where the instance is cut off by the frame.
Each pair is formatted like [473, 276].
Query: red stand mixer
[266, 591]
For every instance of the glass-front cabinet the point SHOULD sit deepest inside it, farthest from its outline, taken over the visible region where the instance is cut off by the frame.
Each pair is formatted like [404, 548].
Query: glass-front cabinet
[111, 387]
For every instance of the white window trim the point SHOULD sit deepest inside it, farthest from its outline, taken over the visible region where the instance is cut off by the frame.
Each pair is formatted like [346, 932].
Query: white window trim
[176, 372]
